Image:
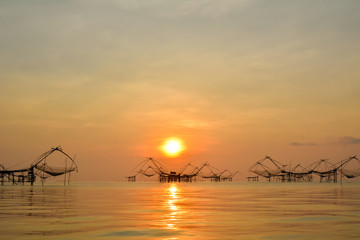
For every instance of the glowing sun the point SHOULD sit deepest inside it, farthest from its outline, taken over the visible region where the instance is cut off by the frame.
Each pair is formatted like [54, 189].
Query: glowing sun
[172, 147]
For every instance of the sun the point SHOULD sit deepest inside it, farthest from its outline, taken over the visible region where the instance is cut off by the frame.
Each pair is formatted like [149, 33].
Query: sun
[172, 147]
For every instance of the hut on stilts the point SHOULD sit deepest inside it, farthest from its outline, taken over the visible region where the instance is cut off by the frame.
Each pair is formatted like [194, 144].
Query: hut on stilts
[150, 168]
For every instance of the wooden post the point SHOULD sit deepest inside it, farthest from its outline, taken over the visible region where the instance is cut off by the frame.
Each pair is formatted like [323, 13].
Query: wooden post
[341, 173]
[65, 172]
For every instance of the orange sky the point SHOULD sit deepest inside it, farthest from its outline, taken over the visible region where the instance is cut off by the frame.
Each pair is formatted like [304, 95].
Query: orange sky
[235, 80]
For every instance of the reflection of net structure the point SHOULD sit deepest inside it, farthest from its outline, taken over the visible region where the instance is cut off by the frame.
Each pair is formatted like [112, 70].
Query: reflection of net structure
[326, 171]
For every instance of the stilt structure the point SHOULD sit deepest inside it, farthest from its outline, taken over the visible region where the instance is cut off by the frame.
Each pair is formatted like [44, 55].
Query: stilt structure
[18, 176]
[39, 168]
[227, 176]
[209, 172]
[189, 173]
[270, 169]
[253, 179]
[298, 174]
[327, 172]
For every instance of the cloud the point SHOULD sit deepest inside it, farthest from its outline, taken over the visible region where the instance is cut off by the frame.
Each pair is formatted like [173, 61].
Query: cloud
[349, 140]
[302, 144]
[209, 7]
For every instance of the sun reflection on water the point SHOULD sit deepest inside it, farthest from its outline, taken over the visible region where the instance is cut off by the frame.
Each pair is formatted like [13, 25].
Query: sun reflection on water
[172, 218]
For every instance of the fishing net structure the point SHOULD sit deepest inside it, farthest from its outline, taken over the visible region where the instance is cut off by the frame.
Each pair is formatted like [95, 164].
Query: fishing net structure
[323, 169]
[298, 169]
[227, 175]
[299, 174]
[208, 171]
[189, 169]
[53, 163]
[150, 168]
[350, 168]
[189, 172]
[268, 168]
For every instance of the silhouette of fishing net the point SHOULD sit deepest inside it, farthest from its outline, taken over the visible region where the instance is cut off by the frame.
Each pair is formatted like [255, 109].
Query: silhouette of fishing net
[322, 167]
[54, 171]
[148, 172]
[54, 163]
[267, 168]
[227, 174]
[149, 168]
[298, 169]
[350, 167]
[351, 173]
[208, 171]
[189, 170]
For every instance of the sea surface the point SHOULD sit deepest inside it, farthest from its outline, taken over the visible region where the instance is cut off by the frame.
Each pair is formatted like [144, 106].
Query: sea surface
[233, 210]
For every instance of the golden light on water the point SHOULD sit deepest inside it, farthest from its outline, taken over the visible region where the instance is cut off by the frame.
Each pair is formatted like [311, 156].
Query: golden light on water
[174, 209]
[173, 189]
[173, 147]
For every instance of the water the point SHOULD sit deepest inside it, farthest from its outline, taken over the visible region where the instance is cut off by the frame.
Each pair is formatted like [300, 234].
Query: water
[181, 211]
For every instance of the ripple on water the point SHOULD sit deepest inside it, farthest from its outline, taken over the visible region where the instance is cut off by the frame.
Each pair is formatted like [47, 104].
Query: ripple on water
[181, 211]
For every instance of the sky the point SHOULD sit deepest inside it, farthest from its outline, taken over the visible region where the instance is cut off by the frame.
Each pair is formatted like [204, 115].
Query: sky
[236, 80]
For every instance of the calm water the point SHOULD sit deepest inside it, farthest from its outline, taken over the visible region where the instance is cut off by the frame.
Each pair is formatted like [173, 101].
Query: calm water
[181, 211]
